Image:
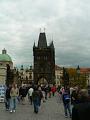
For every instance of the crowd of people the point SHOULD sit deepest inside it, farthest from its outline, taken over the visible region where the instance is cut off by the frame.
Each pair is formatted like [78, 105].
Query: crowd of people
[76, 101]
[35, 93]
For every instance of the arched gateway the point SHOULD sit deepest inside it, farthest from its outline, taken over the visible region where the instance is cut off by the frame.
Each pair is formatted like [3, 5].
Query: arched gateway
[42, 81]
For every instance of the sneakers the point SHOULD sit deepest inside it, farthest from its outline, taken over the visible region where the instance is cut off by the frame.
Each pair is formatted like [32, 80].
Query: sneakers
[11, 111]
[66, 116]
[7, 109]
[14, 111]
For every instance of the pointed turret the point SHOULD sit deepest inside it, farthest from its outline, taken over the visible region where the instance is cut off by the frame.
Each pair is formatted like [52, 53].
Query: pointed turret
[21, 67]
[34, 45]
[42, 42]
[52, 45]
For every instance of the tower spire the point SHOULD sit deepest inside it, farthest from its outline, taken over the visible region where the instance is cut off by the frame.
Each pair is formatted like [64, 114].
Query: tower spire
[44, 29]
[42, 42]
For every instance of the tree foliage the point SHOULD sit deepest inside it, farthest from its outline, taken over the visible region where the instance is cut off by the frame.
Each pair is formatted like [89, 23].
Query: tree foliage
[75, 79]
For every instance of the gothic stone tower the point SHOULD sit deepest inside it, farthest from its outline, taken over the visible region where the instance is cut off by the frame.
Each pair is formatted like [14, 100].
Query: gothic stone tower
[44, 60]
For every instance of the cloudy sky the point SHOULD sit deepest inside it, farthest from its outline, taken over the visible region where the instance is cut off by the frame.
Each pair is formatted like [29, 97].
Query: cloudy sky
[66, 22]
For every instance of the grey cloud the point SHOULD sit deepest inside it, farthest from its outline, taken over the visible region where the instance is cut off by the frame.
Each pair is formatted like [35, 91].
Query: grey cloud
[67, 23]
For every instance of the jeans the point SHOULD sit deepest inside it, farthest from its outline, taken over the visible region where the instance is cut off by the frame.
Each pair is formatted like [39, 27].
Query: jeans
[67, 109]
[30, 98]
[7, 104]
[36, 105]
[13, 102]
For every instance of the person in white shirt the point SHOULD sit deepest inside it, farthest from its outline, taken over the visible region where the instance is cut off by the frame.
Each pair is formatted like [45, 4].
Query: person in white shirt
[30, 91]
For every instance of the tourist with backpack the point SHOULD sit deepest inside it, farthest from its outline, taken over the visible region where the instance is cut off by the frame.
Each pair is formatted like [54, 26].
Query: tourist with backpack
[66, 102]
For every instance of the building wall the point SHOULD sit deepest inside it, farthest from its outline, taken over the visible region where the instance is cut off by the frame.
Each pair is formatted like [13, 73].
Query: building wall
[58, 75]
[4, 63]
[44, 65]
[2, 75]
[26, 76]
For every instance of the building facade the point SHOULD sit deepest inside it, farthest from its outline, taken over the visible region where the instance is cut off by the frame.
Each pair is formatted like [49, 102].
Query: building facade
[5, 60]
[58, 75]
[25, 75]
[44, 61]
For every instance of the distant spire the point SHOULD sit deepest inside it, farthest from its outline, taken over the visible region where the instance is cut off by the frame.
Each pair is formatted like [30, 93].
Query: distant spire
[21, 67]
[44, 29]
[34, 44]
[30, 67]
[51, 44]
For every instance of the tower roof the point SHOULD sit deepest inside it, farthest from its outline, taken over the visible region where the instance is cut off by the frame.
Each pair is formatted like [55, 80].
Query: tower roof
[42, 42]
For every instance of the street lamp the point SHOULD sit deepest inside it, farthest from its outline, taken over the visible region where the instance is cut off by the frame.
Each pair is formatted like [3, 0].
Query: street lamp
[21, 74]
[65, 78]
[30, 75]
[78, 71]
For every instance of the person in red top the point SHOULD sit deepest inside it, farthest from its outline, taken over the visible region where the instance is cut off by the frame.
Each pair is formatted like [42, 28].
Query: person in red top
[53, 89]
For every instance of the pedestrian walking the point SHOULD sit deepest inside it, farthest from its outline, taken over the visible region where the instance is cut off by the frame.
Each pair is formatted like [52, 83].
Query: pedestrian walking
[66, 102]
[53, 89]
[14, 92]
[40, 96]
[74, 96]
[30, 91]
[46, 91]
[7, 97]
[49, 91]
[22, 94]
[43, 92]
[35, 98]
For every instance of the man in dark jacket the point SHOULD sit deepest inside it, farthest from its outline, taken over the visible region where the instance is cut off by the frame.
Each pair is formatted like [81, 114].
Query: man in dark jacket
[81, 111]
[36, 98]
[7, 97]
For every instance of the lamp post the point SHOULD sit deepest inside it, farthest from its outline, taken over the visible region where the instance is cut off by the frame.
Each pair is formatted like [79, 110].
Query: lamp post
[65, 78]
[30, 75]
[78, 71]
[21, 74]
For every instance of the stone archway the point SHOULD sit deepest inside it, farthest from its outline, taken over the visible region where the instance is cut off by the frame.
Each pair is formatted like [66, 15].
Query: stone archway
[42, 81]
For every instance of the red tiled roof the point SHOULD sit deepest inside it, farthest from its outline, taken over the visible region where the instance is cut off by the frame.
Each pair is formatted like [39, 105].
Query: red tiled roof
[84, 70]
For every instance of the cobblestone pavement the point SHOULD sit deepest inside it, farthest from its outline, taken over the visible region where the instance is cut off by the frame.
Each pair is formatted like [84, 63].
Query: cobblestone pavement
[52, 109]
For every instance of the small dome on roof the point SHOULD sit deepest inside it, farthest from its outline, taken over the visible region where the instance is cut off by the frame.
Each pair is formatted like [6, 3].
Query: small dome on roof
[4, 57]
